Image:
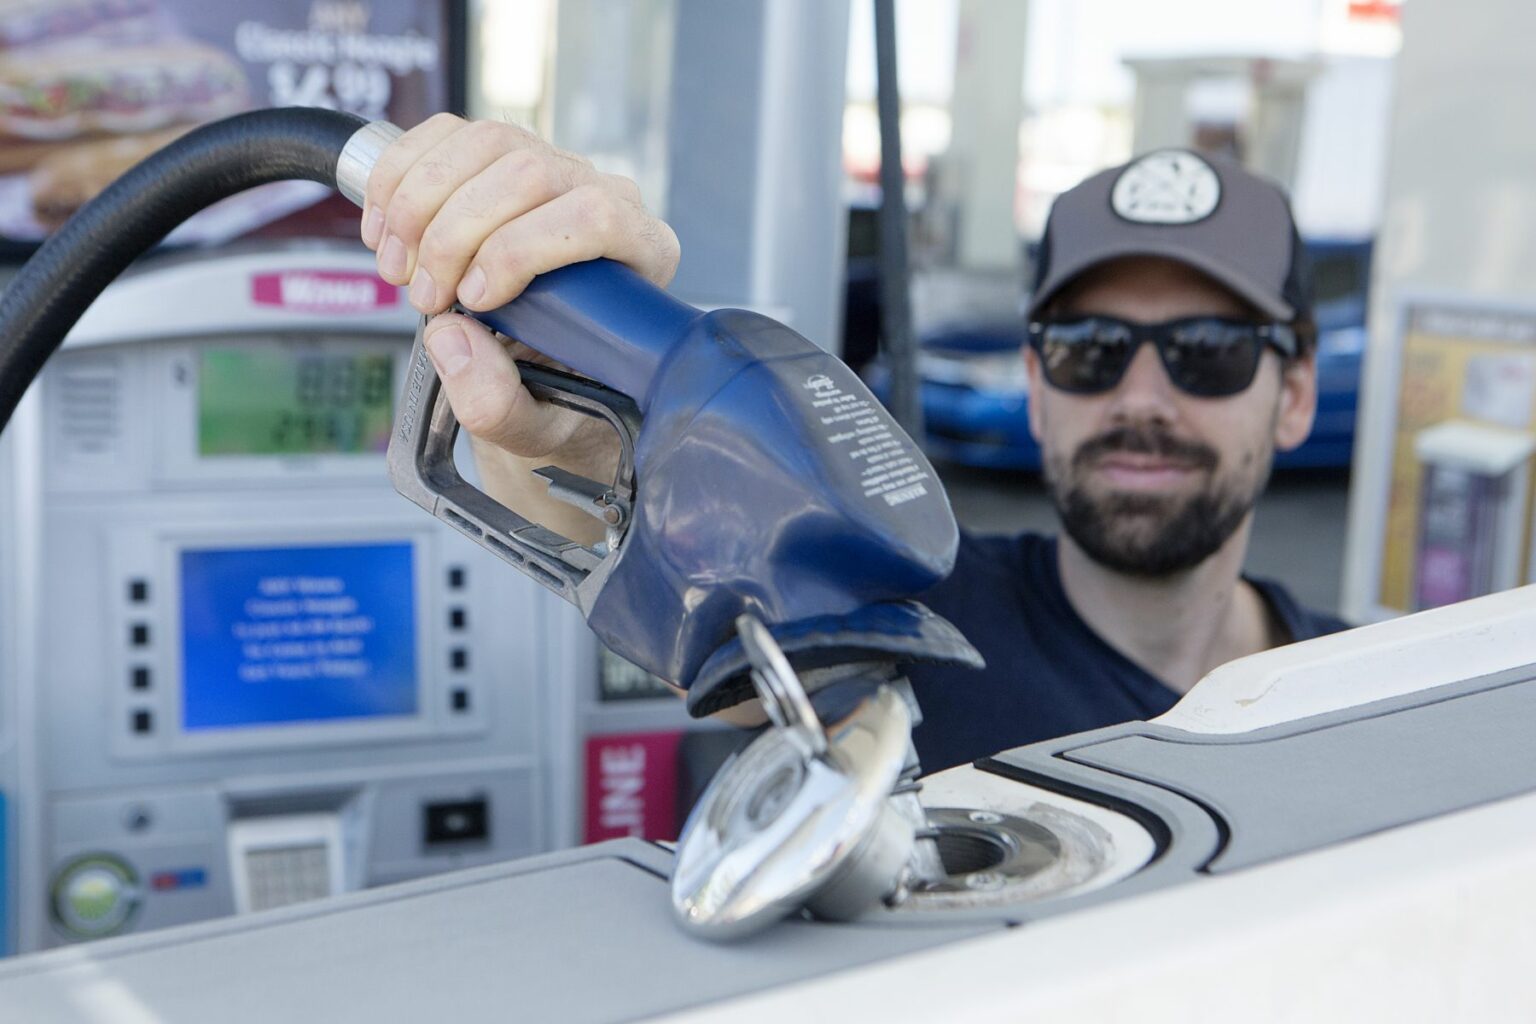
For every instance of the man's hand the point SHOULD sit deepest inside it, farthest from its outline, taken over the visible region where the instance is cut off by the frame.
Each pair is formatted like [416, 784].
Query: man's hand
[472, 211]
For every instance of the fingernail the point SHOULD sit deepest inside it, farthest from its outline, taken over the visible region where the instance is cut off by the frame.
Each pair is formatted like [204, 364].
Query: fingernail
[449, 347]
[373, 226]
[472, 288]
[423, 291]
[392, 258]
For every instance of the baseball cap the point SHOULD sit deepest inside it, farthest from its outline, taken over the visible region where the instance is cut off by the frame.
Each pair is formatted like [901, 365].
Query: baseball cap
[1203, 211]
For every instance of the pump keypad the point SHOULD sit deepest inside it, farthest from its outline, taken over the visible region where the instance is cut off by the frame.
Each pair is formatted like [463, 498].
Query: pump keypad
[281, 876]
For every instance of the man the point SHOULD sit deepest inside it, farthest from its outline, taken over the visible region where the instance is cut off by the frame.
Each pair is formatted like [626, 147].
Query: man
[1170, 356]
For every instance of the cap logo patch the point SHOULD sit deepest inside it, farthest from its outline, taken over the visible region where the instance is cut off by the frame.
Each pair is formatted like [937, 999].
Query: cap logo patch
[1167, 187]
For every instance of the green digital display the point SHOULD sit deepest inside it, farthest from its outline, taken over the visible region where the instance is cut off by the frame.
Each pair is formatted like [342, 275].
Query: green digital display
[291, 401]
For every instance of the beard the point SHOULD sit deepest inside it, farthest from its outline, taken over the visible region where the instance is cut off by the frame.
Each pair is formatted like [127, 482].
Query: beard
[1152, 535]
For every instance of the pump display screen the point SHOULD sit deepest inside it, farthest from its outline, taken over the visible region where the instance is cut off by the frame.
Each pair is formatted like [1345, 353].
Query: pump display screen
[276, 636]
[280, 400]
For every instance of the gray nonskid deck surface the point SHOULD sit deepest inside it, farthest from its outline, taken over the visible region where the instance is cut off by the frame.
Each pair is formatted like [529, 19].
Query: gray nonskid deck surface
[577, 938]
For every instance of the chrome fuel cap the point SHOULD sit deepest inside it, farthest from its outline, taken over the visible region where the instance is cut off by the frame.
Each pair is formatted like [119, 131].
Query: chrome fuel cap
[801, 817]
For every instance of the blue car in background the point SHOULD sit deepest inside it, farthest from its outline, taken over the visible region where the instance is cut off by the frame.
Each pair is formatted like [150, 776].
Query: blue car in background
[975, 396]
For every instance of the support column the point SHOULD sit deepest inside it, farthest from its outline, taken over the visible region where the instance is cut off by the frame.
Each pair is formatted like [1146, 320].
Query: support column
[754, 158]
[986, 109]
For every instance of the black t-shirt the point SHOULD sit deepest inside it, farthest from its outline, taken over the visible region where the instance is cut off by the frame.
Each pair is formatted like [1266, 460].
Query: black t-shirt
[1048, 673]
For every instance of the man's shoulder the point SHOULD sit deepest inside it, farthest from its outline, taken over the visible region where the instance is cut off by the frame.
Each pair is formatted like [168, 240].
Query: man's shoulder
[1301, 622]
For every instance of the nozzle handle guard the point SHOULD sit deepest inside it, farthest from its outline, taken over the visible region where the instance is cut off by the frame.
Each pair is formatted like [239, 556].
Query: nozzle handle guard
[422, 468]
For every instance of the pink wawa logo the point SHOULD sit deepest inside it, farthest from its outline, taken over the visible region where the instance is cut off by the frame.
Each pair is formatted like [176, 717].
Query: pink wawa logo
[324, 291]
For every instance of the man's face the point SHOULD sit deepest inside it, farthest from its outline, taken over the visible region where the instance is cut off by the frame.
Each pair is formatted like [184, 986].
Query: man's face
[1147, 479]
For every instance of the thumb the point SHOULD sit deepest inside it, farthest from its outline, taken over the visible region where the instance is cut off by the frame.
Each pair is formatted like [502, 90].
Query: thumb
[481, 381]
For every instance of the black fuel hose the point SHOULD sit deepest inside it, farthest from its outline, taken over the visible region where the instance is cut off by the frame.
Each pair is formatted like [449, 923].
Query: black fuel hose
[135, 212]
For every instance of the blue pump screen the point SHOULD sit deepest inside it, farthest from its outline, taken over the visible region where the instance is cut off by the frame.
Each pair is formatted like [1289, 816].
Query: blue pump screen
[279, 636]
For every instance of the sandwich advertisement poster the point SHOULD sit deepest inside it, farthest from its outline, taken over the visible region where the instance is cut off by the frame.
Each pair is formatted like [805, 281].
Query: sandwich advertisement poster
[90, 87]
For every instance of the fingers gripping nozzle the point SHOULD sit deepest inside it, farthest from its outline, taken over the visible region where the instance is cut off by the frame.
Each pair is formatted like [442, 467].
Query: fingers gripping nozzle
[421, 447]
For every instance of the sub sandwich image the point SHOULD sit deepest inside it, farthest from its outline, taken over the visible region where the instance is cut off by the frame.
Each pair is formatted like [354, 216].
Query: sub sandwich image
[88, 88]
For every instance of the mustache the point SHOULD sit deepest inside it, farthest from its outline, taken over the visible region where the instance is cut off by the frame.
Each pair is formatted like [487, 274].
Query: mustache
[1142, 440]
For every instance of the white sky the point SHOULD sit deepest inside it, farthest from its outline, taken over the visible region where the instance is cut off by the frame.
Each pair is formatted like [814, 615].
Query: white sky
[1074, 48]
[925, 49]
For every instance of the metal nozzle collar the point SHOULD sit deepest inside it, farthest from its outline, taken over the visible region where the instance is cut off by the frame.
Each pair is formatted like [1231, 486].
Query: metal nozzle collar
[360, 154]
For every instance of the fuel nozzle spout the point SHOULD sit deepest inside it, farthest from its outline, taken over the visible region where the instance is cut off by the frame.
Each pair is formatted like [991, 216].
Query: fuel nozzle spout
[816, 813]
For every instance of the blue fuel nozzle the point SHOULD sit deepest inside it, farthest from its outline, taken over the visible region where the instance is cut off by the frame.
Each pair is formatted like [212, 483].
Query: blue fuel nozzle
[758, 475]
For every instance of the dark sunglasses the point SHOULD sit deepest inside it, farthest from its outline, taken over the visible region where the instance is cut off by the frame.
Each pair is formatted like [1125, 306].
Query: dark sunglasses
[1206, 356]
